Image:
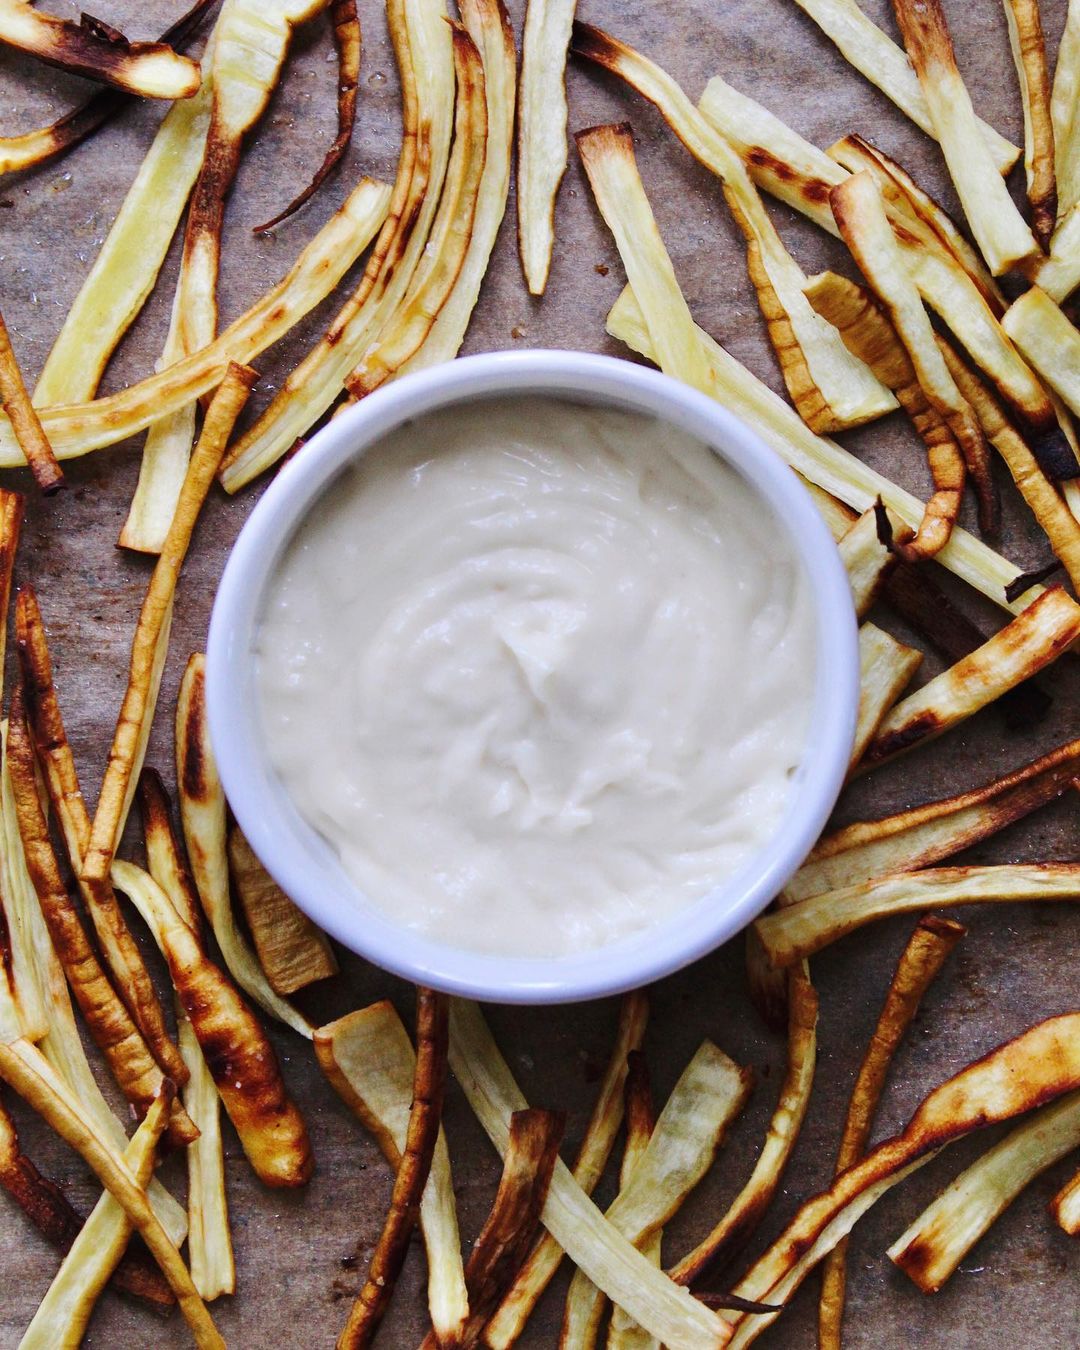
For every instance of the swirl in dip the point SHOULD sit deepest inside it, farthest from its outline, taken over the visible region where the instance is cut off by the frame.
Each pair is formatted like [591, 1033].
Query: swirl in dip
[541, 673]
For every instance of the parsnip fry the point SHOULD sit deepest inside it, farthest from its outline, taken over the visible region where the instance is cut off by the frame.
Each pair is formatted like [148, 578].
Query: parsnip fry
[536, 1274]
[292, 951]
[64, 1313]
[800, 930]
[624, 1333]
[1029, 57]
[1021, 649]
[662, 1307]
[30, 1075]
[93, 49]
[1065, 1207]
[866, 560]
[202, 813]
[1048, 340]
[747, 1209]
[925, 834]
[1063, 104]
[1035, 1067]
[823, 462]
[541, 133]
[425, 1115]
[930, 1250]
[369, 1060]
[1003, 238]
[25, 423]
[137, 708]
[883, 63]
[237, 1050]
[926, 952]
[710, 1093]
[346, 27]
[831, 388]
[886, 668]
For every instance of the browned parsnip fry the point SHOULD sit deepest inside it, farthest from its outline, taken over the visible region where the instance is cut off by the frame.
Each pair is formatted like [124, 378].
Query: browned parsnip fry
[1035, 1067]
[132, 1065]
[538, 1271]
[926, 952]
[798, 931]
[48, 1209]
[925, 834]
[867, 560]
[1029, 56]
[498, 1252]
[860, 214]
[165, 860]
[35, 147]
[747, 1209]
[46, 725]
[24, 1068]
[292, 951]
[868, 334]
[137, 709]
[1065, 1207]
[12, 506]
[1049, 626]
[1003, 238]
[93, 49]
[346, 26]
[429, 1083]
[886, 668]
[624, 1333]
[24, 420]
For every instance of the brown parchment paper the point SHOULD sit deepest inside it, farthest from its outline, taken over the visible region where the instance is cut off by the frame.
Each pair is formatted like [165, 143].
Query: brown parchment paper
[300, 1257]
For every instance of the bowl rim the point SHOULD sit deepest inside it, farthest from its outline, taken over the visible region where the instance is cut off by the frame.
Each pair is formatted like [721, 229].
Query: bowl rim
[304, 864]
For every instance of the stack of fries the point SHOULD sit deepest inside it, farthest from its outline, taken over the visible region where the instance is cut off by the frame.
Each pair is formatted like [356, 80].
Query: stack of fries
[919, 323]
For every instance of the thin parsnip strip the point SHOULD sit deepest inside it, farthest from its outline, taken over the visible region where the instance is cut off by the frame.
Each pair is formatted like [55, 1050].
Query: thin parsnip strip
[876, 57]
[932, 1247]
[623, 1332]
[823, 462]
[886, 668]
[831, 389]
[451, 230]
[709, 1094]
[53, 750]
[369, 1060]
[1000, 232]
[923, 835]
[866, 560]
[1065, 1207]
[203, 814]
[421, 1136]
[542, 116]
[345, 23]
[24, 420]
[868, 333]
[1035, 1067]
[291, 950]
[800, 930]
[1063, 105]
[64, 1313]
[237, 1050]
[926, 952]
[133, 1066]
[628, 1278]
[23, 1067]
[508, 1322]
[1029, 56]
[1049, 626]
[745, 1212]
[137, 708]
[488, 24]
[93, 49]
[1048, 340]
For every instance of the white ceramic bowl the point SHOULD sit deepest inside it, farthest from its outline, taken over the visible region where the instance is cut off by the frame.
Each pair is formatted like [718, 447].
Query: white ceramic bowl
[305, 865]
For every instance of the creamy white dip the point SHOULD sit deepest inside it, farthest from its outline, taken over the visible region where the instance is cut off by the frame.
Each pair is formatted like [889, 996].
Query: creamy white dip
[540, 673]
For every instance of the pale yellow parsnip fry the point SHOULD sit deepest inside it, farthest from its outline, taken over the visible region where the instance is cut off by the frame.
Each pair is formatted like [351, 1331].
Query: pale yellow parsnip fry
[1065, 1207]
[1063, 104]
[886, 668]
[1048, 340]
[866, 560]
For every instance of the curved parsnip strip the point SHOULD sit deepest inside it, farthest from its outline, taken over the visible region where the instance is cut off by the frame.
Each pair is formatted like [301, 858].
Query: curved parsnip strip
[1029, 57]
[800, 930]
[93, 49]
[25, 423]
[662, 1307]
[202, 813]
[1065, 1207]
[538, 1271]
[64, 1313]
[926, 952]
[831, 388]
[886, 668]
[746, 1210]
[542, 118]
[876, 57]
[369, 1060]
[932, 1247]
